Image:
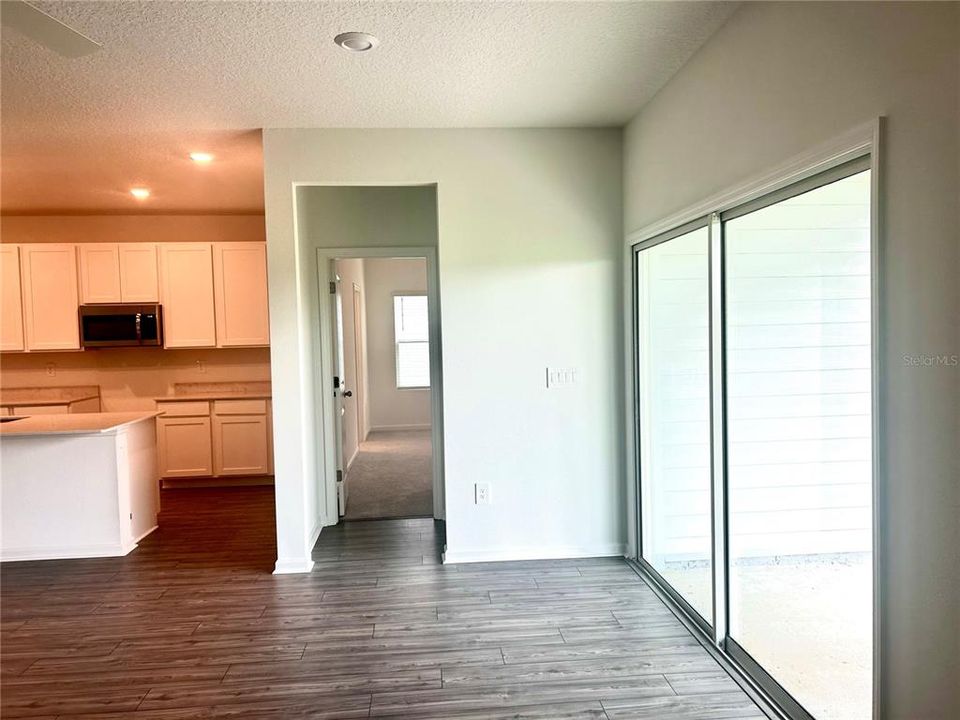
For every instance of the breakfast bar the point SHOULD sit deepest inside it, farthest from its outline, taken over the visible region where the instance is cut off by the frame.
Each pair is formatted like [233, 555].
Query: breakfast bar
[77, 485]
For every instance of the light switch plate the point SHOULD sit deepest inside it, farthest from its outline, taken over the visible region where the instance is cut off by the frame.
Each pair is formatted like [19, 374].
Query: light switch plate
[481, 493]
[559, 377]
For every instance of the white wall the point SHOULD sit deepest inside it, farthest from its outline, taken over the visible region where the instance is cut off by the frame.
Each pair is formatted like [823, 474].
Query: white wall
[775, 81]
[391, 408]
[530, 230]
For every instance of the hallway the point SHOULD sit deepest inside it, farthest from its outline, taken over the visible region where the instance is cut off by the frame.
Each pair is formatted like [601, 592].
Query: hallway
[391, 477]
[192, 624]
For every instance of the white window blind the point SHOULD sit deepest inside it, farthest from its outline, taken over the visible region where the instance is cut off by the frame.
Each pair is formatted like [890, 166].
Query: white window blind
[412, 338]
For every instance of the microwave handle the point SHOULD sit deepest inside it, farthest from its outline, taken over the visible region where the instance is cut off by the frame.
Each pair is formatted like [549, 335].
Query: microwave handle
[137, 318]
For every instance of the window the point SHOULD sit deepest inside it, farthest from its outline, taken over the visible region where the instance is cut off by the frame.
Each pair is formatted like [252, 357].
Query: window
[412, 339]
[673, 328]
[754, 410]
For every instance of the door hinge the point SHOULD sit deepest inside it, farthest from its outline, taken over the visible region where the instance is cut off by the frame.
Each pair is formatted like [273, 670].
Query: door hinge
[333, 288]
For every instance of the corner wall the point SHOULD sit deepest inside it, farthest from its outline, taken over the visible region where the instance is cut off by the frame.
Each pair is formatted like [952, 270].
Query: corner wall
[530, 233]
[778, 79]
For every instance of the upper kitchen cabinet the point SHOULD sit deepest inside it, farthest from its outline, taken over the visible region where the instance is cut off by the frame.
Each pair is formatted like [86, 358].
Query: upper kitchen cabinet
[99, 273]
[139, 277]
[240, 284]
[114, 273]
[186, 293]
[11, 304]
[48, 274]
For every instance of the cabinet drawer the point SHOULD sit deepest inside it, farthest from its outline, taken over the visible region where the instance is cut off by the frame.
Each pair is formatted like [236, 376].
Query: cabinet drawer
[199, 408]
[240, 407]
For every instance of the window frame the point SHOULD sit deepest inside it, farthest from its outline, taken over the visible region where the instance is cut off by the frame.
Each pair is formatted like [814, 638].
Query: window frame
[397, 343]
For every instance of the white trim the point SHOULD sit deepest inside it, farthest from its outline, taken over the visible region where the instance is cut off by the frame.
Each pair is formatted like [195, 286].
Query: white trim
[292, 566]
[323, 400]
[855, 143]
[400, 428]
[66, 552]
[554, 552]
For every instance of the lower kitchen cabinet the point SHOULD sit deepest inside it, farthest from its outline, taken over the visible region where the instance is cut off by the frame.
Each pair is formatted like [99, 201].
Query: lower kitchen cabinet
[240, 445]
[222, 438]
[184, 447]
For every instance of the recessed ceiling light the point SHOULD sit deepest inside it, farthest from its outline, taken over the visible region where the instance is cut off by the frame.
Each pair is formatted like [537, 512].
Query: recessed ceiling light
[201, 157]
[356, 41]
[140, 193]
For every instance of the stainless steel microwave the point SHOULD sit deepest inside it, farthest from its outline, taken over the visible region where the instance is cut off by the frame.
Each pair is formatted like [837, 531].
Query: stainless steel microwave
[125, 325]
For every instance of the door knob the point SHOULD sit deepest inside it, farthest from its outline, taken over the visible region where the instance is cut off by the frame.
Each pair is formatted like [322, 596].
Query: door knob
[347, 393]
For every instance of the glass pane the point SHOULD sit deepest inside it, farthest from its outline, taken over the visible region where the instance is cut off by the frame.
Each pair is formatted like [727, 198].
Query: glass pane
[674, 414]
[413, 364]
[410, 317]
[799, 444]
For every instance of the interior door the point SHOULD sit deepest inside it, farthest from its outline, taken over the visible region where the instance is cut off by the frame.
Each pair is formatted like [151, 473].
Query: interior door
[338, 384]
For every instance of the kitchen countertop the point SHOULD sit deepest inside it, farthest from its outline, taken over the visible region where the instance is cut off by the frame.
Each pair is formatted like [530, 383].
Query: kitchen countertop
[73, 423]
[256, 390]
[48, 395]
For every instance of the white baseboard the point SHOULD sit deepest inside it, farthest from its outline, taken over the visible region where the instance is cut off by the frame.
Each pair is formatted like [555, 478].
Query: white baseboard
[555, 552]
[398, 428]
[66, 552]
[292, 566]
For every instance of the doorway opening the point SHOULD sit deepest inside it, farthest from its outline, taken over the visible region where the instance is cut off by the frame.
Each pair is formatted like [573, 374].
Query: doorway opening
[382, 387]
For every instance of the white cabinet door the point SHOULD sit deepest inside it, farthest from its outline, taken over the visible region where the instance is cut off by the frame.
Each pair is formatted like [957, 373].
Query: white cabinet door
[48, 273]
[186, 292]
[240, 282]
[99, 273]
[11, 302]
[184, 447]
[139, 275]
[241, 445]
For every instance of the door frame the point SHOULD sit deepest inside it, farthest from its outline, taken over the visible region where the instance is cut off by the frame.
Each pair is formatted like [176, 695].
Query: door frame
[325, 370]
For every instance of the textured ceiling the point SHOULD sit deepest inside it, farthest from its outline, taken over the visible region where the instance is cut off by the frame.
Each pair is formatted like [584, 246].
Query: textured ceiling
[179, 76]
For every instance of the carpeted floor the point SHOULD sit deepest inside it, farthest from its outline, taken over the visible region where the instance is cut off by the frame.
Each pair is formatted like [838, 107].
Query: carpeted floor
[391, 476]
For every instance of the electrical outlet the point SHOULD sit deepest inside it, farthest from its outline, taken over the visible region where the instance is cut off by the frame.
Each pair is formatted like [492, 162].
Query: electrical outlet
[482, 493]
[201, 366]
[51, 370]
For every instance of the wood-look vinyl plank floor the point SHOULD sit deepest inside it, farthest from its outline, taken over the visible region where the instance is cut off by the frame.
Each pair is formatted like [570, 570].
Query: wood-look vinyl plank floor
[193, 626]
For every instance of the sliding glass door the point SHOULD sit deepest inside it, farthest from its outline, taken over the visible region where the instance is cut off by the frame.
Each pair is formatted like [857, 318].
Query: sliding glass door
[790, 520]
[674, 407]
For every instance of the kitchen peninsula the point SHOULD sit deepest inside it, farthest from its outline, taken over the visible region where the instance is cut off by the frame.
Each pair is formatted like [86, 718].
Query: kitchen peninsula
[77, 485]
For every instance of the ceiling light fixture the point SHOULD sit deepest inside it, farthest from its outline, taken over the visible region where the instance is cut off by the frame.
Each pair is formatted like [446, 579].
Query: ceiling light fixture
[356, 41]
[140, 193]
[201, 157]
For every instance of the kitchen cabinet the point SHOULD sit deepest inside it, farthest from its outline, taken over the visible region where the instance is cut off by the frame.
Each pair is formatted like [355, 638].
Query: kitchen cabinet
[118, 272]
[219, 438]
[240, 294]
[184, 446]
[48, 276]
[99, 273]
[139, 273]
[11, 302]
[240, 438]
[186, 293]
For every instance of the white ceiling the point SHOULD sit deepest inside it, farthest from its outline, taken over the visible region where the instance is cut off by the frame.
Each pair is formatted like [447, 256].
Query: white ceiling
[179, 76]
